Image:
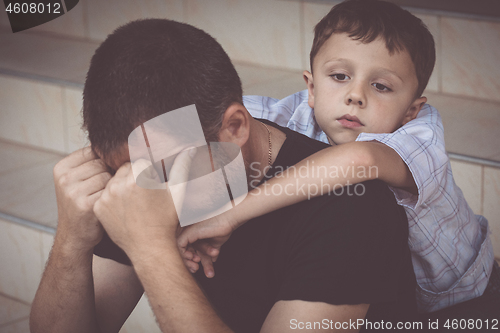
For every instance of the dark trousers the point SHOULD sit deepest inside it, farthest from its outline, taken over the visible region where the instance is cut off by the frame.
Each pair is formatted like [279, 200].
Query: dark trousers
[481, 314]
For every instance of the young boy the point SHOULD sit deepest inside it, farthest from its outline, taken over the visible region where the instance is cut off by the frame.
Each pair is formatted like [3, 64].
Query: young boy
[370, 63]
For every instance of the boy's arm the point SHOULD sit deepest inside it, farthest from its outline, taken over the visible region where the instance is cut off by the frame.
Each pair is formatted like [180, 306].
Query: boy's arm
[328, 169]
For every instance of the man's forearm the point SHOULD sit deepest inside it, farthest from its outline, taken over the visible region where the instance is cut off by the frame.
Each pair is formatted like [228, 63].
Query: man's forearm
[176, 299]
[64, 301]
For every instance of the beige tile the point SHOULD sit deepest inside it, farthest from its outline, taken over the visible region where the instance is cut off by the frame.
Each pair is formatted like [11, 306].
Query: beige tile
[468, 177]
[262, 32]
[21, 326]
[471, 127]
[278, 88]
[313, 13]
[432, 23]
[76, 138]
[26, 184]
[141, 319]
[47, 56]
[70, 24]
[20, 261]
[496, 157]
[278, 83]
[16, 157]
[11, 310]
[251, 74]
[105, 16]
[31, 113]
[470, 52]
[491, 205]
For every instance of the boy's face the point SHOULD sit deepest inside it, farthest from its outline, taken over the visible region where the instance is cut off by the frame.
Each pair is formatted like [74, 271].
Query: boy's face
[360, 87]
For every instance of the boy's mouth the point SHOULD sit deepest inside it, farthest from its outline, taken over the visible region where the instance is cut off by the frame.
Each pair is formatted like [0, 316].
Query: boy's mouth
[349, 121]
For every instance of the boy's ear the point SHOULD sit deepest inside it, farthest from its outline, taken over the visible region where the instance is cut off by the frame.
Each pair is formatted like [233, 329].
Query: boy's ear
[414, 109]
[235, 125]
[310, 87]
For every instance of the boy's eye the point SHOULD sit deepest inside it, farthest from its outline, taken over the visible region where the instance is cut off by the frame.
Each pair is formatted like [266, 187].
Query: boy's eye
[340, 77]
[381, 87]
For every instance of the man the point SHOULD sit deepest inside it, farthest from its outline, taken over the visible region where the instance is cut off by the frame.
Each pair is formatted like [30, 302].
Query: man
[321, 264]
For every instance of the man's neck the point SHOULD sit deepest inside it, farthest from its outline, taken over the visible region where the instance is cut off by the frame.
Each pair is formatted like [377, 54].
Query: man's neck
[261, 145]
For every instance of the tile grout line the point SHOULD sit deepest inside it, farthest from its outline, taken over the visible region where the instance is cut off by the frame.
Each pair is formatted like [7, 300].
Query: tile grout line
[14, 299]
[40, 252]
[23, 145]
[85, 14]
[185, 10]
[482, 190]
[15, 321]
[440, 56]
[302, 34]
[467, 97]
[27, 224]
[474, 160]
[65, 119]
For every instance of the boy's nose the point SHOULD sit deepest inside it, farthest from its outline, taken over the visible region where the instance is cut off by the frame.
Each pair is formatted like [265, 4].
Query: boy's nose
[360, 102]
[356, 95]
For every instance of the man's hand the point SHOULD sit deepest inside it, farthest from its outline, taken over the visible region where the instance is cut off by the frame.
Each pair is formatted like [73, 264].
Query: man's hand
[79, 181]
[136, 218]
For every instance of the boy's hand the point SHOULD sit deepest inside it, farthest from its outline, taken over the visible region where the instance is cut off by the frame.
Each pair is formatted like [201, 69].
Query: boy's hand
[201, 242]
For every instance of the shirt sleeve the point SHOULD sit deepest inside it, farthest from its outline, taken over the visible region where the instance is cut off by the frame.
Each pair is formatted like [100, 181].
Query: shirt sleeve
[349, 255]
[279, 111]
[420, 144]
[292, 111]
[272, 109]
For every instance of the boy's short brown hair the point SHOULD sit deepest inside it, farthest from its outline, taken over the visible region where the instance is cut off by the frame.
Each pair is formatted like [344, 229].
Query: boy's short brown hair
[366, 20]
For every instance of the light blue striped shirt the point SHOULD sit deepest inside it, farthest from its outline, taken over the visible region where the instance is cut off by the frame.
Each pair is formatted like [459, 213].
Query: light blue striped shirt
[451, 249]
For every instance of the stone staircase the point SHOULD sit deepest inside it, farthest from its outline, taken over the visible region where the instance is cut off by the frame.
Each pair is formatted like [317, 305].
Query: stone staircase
[41, 82]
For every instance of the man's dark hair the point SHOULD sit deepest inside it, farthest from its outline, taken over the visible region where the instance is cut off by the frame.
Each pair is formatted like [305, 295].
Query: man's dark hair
[148, 67]
[366, 20]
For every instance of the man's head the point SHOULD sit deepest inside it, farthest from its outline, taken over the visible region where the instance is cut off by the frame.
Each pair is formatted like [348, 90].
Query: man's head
[147, 68]
[370, 60]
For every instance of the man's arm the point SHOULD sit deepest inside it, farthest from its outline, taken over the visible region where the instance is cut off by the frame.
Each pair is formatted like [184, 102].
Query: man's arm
[175, 297]
[147, 234]
[289, 316]
[180, 305]
[70, 298]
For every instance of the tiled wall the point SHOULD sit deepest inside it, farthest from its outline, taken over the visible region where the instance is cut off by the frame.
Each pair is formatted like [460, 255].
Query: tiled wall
[23, 254]
[278, 33]
[274, 33]
[40, 114]
[32, 113]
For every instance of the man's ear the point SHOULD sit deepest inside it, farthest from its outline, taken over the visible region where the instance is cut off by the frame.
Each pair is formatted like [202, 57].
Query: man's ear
[235, 125]
[414, 109]
[308, 77]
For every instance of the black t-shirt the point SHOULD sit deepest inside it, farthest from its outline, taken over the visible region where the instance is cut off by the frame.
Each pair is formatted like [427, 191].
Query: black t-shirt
[341, 248]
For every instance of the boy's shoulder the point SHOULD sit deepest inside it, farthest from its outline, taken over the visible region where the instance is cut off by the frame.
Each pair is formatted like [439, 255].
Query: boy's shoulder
[292, 112]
